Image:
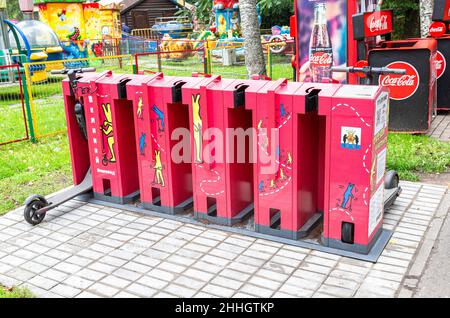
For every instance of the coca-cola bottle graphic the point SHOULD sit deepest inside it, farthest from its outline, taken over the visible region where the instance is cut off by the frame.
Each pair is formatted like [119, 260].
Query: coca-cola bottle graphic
[320, 49]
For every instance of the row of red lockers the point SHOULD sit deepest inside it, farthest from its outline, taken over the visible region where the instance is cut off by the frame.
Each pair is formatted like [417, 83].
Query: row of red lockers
[317, 149]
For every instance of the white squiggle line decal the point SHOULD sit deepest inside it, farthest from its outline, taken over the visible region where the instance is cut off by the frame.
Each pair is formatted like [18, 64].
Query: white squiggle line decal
[353, 109]
[342, 210]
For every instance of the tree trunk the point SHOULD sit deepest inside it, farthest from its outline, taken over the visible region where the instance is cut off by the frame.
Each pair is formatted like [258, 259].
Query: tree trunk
[254, 55]
[426, 11]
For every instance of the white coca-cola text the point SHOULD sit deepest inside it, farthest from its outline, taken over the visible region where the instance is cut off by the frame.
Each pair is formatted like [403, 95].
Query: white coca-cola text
[380, 24]
[405, 80]
[321, 59]
[438, 29]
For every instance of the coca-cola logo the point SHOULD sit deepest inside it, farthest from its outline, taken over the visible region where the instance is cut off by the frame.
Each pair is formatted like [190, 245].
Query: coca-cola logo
[441, 64]
[321, 59]
[401, 86]
[437, 29]
[378, 24]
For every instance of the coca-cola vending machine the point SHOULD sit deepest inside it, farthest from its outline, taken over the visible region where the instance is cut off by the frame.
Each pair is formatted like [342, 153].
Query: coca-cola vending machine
[440, 30]
[321, 31]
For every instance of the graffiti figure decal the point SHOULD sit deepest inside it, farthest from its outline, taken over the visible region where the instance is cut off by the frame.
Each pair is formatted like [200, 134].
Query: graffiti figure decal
[348, 197]
[142, 144]
[107, 129]
[159, 118]
[158, 167]
[197, 122]
[139, 113]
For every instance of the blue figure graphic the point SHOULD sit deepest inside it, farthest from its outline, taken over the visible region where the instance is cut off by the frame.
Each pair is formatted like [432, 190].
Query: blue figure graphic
[278, 151]
[160, 117]
[260, 186]
[282, 111]
[348, 195]
[142, 144]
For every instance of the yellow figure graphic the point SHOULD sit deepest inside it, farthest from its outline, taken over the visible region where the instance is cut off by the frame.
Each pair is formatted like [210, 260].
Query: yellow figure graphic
[260, 124]
[272, 183]
[282, 175]
[197, 127]
[107, 129]
[159, 179]
[140, 105]
[289, 160]
[351, 137]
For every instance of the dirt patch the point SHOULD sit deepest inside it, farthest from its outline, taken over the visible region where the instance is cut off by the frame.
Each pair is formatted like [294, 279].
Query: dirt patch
[436, 178]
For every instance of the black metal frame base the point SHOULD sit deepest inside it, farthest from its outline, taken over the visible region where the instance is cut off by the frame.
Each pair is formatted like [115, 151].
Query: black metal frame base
[371, 256]
[119, 200]
[181, 208]
[357, 248]
[224, 221]
[293, 235]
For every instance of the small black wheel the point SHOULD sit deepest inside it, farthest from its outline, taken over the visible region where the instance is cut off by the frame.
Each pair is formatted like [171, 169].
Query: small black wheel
[391, 180]
[30, 211]
[348, 233]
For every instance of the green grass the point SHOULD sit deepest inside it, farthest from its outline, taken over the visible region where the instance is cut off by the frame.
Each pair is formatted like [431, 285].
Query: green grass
[14, 292]
[414, 154]
[27, 168]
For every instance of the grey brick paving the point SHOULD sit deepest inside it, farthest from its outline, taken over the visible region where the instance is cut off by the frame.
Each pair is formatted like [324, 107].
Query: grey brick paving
[440, 127]
[94, 251]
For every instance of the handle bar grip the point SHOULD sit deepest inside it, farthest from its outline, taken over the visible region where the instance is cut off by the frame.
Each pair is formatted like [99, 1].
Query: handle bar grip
[58, 71]
[341, 69]
[88, 69]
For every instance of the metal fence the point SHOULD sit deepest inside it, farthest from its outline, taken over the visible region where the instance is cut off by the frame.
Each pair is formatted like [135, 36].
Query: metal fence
[176, 63]
[45, 89]
[13, 118]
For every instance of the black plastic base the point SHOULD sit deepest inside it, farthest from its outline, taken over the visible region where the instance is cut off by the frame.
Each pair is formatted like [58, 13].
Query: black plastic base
[181, 208]
[222, 220]
[303, 232]
[119, 200]
[357, 248]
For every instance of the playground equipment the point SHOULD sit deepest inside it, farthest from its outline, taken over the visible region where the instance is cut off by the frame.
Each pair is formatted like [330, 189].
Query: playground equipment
[174, 27]
[37, 42]
[36, 206]
[322, 187]
[227, 22]
[177, 49]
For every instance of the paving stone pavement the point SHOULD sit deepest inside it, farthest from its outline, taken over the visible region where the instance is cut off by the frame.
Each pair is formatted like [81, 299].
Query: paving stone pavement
[440, 126]
[97, 251]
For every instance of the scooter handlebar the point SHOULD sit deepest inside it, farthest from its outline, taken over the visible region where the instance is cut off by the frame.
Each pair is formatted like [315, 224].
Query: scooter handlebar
[369, 70]
[76, 70]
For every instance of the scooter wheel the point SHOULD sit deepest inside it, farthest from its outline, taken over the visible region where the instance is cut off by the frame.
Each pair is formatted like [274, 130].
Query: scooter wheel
[391, 180]
[30, 211]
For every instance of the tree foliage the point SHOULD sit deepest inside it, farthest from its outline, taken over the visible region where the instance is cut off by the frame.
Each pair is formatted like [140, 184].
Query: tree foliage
[275, 12]
[13, 10]
[406, 17]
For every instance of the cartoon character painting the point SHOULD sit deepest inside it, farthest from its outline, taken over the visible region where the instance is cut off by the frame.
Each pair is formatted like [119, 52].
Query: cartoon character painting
[197, 121]
[348, 197]
[158, 167]
[142, 144]
[107, 129]
[139, 109]
[159, 118]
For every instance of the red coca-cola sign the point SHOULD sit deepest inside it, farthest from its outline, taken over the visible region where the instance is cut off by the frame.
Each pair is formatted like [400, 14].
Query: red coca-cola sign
[437, 29]
[441, 64]
[401, 86]
[321, 58]
[378, 23]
